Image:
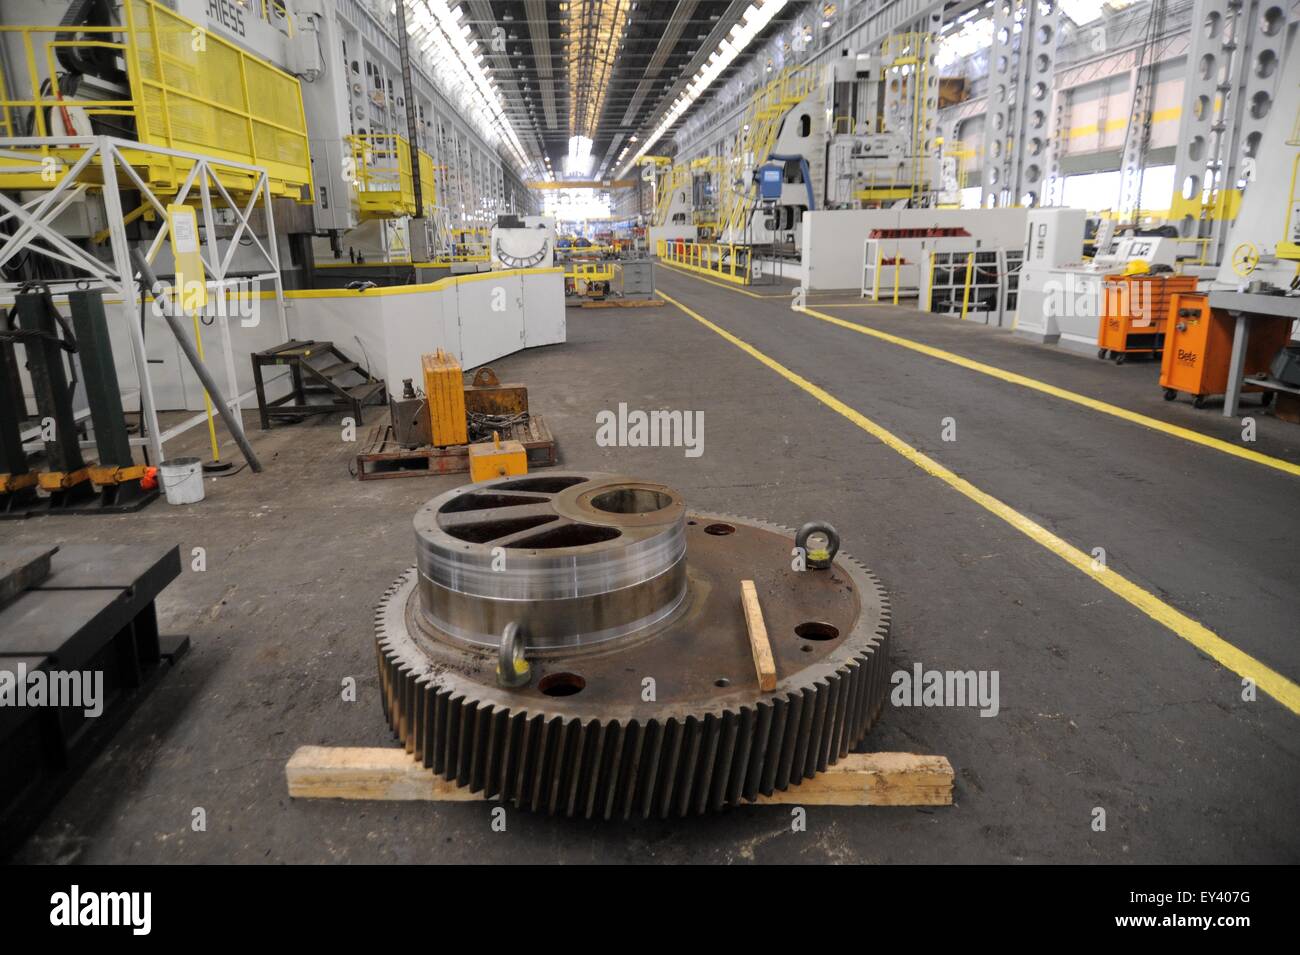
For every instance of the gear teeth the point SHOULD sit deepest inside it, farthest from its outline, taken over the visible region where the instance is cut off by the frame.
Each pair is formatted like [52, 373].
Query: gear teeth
[621, 769]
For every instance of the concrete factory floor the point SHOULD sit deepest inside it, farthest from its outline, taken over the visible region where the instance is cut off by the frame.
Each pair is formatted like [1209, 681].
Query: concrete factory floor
[1101, 704]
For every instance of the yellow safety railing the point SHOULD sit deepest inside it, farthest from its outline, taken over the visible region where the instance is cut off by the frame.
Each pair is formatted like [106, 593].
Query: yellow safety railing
[910, 56]
[878, 187]
[466, 245]
[588, 273]
[383, 177]
[723, 260]
[962, 155]
[189, 90]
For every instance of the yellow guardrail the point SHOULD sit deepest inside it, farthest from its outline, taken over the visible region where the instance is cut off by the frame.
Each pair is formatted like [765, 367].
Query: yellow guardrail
[763, 119]
[589, 272]
[383, 177]
[467, 245]
[722, 260]
[189, 90]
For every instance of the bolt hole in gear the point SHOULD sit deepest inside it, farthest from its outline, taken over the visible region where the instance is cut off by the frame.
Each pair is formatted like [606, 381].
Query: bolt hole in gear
[575, 644]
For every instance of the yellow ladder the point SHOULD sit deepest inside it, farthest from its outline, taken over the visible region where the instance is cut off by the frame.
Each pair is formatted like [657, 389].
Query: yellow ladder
[762, 124]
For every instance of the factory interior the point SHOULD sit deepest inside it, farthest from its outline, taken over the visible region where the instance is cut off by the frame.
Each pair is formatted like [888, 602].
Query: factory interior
[622, 432]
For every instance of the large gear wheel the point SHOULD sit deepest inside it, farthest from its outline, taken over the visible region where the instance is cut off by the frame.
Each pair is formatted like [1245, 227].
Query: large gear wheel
[624, 615]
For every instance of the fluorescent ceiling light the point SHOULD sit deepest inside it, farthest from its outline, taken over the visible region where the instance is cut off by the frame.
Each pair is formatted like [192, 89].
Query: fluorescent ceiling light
[754, 20]
[459, 63]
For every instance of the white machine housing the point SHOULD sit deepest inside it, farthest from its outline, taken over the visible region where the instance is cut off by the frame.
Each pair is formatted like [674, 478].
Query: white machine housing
[529, 247]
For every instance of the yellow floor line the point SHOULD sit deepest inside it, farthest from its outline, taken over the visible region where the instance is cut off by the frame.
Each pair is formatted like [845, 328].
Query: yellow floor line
[729, 288]
[1199, 636]
[1011, 377]
[1105, 407]
[784, 295]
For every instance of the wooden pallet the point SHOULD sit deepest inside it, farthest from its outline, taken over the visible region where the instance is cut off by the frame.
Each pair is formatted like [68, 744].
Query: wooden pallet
[624, 303]
[390, 773]
[383, 458]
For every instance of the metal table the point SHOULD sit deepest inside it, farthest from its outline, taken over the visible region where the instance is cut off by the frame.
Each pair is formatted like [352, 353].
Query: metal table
[1246, 307]
[77, 607]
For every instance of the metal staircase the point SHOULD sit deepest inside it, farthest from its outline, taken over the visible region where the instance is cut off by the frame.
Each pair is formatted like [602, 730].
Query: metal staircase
[762, 124]
[319, 382]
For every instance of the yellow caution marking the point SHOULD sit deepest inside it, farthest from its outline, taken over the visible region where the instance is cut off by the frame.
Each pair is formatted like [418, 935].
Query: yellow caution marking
[1199, 636]
[1105, 407]
[1024, 381]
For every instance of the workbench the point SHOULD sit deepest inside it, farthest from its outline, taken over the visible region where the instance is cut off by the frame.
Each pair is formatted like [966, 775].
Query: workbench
[1245, 308]
[73, 608]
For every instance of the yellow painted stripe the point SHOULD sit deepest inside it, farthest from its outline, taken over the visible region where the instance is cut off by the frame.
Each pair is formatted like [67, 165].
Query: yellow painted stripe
[785, 296]
[1157, 116]
[1199, 636]
[1024, 381]
[730, 288]
[1105, 407]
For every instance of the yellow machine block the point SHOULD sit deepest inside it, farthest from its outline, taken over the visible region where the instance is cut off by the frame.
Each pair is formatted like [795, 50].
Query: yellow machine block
[444, 389]
[496, 458]
[62, 480]
[10, 483]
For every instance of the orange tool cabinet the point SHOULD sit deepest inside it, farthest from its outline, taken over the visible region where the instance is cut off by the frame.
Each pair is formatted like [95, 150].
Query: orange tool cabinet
[1134, 310]
[1198, 347]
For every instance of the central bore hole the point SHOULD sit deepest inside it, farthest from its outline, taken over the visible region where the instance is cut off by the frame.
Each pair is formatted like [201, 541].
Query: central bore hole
[816, 630]
[631, 500]
[562, 684]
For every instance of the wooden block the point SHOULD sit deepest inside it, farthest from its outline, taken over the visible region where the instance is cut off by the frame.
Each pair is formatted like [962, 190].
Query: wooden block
[874, 779]
[357, 772]
[389, 773]
[759, 645]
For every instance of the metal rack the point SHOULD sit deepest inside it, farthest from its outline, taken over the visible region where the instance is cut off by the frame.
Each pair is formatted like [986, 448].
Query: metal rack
[107, 165]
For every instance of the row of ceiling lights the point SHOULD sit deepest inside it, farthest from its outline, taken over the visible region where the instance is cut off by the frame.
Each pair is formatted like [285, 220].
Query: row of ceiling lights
[752, 22]
[450, 40]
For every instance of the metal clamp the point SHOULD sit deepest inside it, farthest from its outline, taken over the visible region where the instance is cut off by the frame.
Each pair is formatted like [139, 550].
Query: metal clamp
[821, 557]
[512, 669]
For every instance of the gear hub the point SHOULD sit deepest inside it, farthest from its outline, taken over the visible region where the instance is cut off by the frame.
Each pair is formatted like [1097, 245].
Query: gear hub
[575, 644]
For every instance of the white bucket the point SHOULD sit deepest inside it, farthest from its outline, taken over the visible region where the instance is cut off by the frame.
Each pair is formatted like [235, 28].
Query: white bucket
[182, 480]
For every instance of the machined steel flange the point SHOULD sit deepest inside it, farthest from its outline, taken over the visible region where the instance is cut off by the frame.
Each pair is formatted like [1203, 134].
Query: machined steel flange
[575, 644]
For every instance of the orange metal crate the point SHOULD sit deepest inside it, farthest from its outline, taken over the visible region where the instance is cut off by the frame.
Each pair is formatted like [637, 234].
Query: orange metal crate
[1134, 313]
[1198, 348]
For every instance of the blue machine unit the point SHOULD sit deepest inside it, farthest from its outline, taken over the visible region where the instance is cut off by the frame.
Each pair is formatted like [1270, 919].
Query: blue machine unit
[770, 182]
